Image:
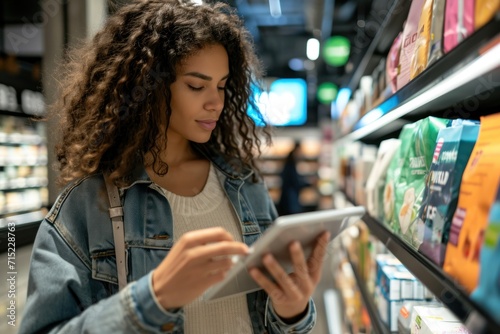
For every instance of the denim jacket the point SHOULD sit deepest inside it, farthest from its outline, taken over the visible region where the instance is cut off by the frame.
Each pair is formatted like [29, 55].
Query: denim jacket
[73, 278]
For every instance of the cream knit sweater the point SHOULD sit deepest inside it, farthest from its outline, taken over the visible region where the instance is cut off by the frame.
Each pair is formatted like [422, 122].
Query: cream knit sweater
[210, 208]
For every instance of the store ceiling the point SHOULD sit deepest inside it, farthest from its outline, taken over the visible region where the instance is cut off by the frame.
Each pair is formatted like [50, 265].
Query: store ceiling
[278, 39]
[281, 38]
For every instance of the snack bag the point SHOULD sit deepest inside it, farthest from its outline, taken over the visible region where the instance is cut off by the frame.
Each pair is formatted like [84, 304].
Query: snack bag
[437, 26]
[487, 292]
[392, 65]
[477, 193]
[408, 40]
[453, 149]
[458, 22]
[419, 58]
[409, 188]
[393, 174]
[484, 11]
[376, 180]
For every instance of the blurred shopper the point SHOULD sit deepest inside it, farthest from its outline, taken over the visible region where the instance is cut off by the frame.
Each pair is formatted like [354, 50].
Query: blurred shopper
[157, 101]
[291, 184]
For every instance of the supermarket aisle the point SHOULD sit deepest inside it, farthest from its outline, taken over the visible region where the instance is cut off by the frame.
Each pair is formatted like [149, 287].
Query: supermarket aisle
[331, 309]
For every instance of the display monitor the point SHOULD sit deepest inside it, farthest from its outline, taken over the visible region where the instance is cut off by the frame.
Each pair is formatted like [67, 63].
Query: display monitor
[284, 104]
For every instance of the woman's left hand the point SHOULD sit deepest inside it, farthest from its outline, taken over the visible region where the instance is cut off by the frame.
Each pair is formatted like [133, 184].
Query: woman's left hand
[290, 293]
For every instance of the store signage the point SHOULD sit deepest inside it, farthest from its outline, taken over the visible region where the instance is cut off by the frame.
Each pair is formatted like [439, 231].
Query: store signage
[327, 92]
[336, 50]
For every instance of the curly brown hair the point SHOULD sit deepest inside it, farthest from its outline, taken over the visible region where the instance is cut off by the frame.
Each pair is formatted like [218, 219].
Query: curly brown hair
[116, 86]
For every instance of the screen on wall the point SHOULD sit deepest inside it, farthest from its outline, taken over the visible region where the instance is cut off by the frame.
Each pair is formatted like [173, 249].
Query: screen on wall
[283, 104]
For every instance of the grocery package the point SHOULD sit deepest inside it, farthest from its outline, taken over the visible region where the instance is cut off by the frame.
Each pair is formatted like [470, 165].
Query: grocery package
[394, 285]
[421, 53]
[366, 86]
[393, 173]
[378, 83]
[362, 169]
[458, 22]
[404, 316]
[477, 193]
[376, 180]
[392, 65]
[436, 37]
[409, 188]
[484, 11]
[435, 320]
[453, 149]
[487, 292]
[408, 40]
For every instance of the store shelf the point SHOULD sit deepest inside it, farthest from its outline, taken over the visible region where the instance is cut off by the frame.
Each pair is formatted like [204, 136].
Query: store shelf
[438, 282]
[463, 83]
[23, 164]
[20, 114]
[23, 183]
[20, 139]
[24, 218]
[390, 25]
[377, 323]
[25, 226]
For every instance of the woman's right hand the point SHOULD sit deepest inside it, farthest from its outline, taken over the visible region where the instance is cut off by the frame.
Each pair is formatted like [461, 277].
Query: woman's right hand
[198, 260]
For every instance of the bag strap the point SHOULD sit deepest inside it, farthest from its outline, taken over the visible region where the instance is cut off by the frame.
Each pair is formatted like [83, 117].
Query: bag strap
[116, 215]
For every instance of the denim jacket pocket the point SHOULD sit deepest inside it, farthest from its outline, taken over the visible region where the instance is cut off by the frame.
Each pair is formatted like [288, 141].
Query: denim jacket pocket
[104, 266]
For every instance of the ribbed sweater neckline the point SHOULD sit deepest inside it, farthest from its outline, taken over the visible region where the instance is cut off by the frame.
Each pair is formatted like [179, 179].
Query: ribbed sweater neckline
[207, 200]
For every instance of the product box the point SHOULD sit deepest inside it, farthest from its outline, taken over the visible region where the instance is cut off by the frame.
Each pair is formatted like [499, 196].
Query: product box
[406, 310]
[382, 260]
[390, 285]
[362, 169]
[388, 309]
[435, 320]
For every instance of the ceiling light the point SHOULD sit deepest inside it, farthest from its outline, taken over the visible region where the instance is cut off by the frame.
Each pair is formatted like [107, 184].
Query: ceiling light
[296, 64]
[312, 50]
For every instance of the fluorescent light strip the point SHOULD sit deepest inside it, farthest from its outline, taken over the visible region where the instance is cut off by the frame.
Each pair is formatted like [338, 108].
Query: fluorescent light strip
[480, 66]
[275, 8]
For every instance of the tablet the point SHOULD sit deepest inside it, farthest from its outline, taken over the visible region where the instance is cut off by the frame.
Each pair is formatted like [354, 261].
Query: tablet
[303, 227]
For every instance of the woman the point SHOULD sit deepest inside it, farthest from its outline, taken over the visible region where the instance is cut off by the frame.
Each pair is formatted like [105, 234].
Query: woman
[158, 101]
[291, 184]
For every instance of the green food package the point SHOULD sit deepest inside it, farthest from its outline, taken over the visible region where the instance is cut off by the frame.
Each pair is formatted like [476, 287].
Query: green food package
[393, 174]
[409, 187]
